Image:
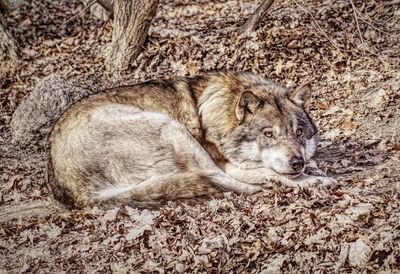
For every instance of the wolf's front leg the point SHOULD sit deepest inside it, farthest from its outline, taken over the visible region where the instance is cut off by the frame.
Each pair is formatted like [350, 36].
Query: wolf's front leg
[255, 176]
[262, 176]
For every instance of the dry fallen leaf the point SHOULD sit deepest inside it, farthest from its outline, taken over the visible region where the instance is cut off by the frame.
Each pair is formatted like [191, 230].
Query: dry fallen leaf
[359, 253]
[349, 125]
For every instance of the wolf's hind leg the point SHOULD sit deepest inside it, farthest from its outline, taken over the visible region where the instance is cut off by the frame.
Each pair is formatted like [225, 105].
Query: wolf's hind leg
[159, 189]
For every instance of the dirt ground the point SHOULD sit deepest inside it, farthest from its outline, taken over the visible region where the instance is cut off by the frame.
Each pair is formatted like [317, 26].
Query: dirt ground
[354, 67]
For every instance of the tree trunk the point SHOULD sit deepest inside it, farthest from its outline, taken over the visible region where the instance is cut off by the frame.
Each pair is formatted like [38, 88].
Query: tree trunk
[132, 20]
[8, 48]
[8, 54]
[253, 21]
[9, 5]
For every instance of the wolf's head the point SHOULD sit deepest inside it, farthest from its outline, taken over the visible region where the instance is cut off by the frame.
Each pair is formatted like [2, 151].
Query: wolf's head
[274, 130]
[271, 129]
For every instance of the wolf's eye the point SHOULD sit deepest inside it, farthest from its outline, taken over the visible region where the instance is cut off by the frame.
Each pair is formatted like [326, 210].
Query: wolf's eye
[299, 132]
[268, 133]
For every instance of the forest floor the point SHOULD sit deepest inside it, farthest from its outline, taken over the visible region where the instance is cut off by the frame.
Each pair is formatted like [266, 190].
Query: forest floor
[355, 72]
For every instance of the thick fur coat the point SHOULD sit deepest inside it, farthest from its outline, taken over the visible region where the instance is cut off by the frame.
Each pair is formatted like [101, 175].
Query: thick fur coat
[183, 138]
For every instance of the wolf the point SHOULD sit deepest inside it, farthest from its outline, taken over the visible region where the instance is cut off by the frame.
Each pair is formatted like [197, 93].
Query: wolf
[183, 138]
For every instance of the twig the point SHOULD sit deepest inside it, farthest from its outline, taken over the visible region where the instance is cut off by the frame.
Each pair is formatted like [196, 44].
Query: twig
[356, 19]
[368, 21]
[364, 18]
[374, 27]
[320, 28]
[76, 15]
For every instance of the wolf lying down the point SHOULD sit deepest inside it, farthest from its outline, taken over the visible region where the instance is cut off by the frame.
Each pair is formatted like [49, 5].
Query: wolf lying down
[183, 138]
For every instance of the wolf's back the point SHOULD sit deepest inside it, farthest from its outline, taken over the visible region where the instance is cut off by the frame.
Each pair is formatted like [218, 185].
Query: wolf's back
[34, 118]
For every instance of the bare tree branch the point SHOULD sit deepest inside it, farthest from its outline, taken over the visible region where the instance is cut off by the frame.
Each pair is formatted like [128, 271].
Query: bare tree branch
[253, 21]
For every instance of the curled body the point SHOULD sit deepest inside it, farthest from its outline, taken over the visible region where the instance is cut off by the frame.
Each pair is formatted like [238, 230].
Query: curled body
[183, 138]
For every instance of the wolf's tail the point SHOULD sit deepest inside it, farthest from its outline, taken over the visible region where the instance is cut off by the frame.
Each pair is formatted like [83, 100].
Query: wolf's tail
[34, 118]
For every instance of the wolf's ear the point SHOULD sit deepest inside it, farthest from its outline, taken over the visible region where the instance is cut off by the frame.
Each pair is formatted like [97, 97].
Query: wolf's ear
[301, 96]
[248, 103]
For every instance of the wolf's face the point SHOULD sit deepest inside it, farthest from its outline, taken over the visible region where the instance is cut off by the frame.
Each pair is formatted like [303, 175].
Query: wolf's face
[274, 131]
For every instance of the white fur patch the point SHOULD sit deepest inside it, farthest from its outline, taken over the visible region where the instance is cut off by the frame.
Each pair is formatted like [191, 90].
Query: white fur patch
[311, 146]
[250, 150]
[270, 155]
[113, 191]
[118, 190]
[276, 159]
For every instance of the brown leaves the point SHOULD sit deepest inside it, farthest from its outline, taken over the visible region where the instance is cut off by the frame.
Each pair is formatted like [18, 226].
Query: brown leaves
[355, 103]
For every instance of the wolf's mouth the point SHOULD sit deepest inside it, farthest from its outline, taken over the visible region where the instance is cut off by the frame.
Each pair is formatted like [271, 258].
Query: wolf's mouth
[292, 175]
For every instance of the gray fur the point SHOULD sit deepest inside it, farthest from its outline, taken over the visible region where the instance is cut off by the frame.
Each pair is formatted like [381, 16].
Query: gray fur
[169, 139]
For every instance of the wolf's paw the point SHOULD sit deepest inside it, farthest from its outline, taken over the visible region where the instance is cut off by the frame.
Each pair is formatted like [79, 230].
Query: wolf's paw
[314, 172]
[327, 181]
[252, 189]
[305, 181]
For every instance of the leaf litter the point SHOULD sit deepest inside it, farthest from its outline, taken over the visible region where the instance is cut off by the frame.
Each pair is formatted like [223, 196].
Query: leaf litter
[355, 102]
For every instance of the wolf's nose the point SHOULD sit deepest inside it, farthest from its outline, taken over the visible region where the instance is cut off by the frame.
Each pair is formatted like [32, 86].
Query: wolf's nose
[296, 163]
